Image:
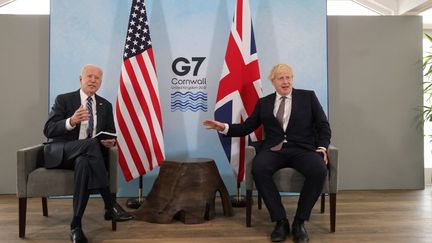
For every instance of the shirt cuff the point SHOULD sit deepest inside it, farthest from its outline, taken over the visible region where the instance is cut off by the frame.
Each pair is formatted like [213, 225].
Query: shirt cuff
[69, 127]
[323, 148]
[225, 131]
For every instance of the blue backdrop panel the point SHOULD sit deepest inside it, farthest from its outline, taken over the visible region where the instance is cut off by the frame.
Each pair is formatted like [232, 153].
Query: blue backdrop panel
[189, 41]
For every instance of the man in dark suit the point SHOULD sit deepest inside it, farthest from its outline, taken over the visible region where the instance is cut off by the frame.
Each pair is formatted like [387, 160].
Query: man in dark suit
[297, 135]
[73, 121]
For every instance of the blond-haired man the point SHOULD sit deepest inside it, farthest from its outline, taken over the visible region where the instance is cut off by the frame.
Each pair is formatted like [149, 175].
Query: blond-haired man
[297, 135]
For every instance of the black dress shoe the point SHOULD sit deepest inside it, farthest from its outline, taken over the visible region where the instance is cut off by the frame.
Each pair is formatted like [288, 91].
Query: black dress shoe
[280, 231]
[118, 214]
[77, 235]
[299, 232]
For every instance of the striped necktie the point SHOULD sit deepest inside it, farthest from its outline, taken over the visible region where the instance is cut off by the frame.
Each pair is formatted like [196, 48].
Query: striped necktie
[90, 121]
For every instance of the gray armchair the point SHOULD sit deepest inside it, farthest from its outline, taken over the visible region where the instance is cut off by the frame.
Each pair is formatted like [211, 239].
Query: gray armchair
[36, 181]
[289, 180]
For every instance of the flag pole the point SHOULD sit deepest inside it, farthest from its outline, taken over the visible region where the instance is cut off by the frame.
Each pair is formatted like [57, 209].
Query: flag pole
[135, 202]
[140, 190]
[238, 201]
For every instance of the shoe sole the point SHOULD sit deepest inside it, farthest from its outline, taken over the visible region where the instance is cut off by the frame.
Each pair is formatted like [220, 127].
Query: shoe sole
[119, 220]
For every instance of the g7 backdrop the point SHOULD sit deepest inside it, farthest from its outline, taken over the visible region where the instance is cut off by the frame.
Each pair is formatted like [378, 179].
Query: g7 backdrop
[189, 40]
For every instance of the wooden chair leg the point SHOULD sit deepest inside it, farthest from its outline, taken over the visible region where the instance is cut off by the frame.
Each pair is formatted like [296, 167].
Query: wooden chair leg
[323, 202]
[44, 206]
[259, 201]
[226, 202]
[113, 222]
[332, 212]
[113, 225]
[248, 208]
[22, 210]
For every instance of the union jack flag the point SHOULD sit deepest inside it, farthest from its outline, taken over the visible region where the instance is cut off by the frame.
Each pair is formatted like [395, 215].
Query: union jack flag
[239, 86]
[138, 113]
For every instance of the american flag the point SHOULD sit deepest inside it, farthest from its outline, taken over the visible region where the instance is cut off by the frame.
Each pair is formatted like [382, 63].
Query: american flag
[138, 114]
[239, 86]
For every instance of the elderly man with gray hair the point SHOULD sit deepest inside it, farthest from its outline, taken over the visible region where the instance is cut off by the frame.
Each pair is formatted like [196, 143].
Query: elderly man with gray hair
[72, 123]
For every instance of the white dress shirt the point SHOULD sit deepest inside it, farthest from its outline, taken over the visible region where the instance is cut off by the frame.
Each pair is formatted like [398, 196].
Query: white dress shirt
[287, 112]
[84, 124]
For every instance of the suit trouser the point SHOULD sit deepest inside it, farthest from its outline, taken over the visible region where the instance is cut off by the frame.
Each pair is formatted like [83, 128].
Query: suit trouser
[85, 158]
[309, 163]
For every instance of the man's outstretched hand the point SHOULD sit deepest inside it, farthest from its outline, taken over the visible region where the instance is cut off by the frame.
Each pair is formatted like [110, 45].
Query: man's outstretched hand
[212, 124]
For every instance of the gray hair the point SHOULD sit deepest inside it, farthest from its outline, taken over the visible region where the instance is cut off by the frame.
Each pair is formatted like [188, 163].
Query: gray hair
[83, 69]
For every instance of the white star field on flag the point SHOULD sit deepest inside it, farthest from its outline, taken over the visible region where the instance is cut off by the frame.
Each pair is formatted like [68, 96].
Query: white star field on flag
[138, 34]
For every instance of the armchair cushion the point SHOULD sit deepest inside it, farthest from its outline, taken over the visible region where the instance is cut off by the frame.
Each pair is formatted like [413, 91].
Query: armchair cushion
[60, 182]
[289, 180]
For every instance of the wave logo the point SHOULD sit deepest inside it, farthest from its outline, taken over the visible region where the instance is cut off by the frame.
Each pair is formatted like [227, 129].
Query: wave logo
[188, 101]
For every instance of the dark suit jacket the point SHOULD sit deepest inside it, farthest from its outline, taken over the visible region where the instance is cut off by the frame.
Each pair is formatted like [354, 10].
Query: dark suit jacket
[55, 130]
[307, 127]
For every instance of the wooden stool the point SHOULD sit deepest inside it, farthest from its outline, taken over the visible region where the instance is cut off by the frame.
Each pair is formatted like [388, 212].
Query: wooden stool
[185, 189]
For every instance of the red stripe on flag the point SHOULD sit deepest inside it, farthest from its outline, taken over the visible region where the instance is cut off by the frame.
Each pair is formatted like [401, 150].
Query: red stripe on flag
[239, 19]
[137, 164]
[123, 165]
[133, 111]
[150, 54]
[125, 130]
[151, 83]
[239, 79]
[155, 102]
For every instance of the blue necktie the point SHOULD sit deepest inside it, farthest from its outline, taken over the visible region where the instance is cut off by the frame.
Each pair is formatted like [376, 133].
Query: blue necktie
[90, 121]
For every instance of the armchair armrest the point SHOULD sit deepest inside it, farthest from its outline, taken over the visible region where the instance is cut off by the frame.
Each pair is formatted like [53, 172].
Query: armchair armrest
[333, 168]
[113, 165]
[27, 161]
[249, 155]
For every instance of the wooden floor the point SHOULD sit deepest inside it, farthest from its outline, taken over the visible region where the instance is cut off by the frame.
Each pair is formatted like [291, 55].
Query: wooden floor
[362, 216]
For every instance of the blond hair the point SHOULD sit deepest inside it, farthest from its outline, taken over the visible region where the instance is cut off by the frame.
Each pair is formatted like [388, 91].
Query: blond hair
[279, 68]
